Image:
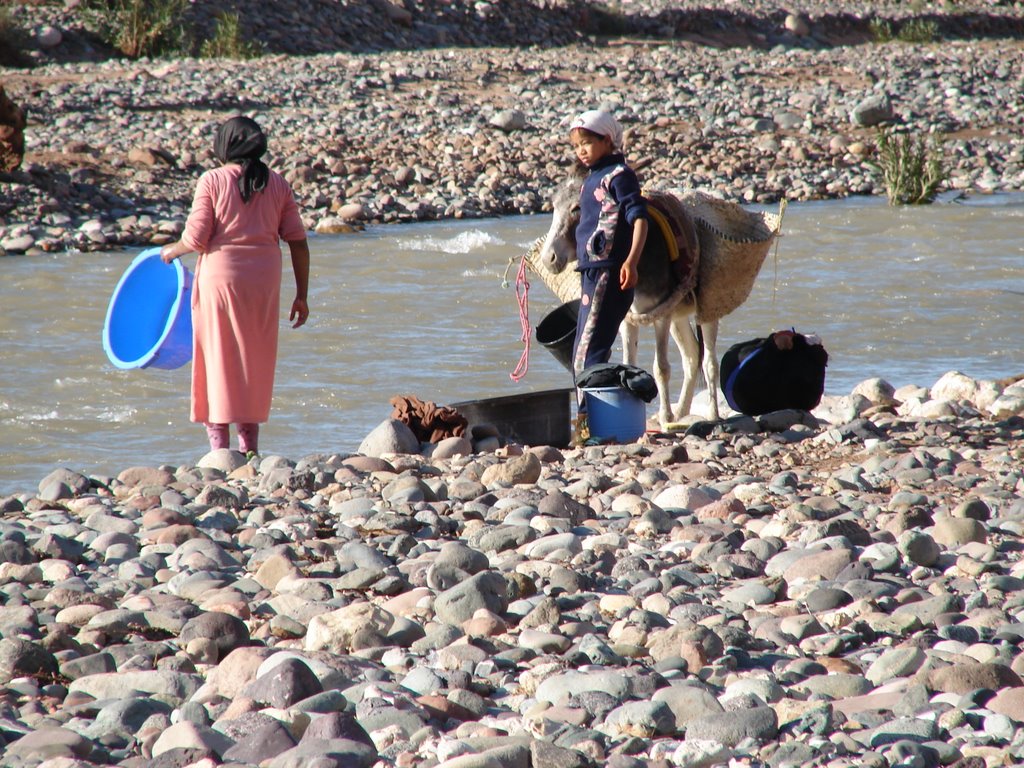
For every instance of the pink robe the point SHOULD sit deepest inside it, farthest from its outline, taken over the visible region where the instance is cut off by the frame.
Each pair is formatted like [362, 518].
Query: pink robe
[236, 297]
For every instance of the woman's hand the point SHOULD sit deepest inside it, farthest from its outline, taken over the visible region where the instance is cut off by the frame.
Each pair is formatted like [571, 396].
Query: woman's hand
[300, 265]
[299, 313]
[172, 251]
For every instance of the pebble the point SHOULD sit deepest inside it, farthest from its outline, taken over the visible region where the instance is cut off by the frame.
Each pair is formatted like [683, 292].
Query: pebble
[732, 728]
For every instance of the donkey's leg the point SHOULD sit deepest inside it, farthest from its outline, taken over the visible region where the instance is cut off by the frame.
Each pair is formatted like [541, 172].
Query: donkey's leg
[686, 341]
[662, 370]
[710, 333]
[629, 334]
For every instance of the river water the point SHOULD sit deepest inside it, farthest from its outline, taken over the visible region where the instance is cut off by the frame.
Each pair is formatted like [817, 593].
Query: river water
[902, 293]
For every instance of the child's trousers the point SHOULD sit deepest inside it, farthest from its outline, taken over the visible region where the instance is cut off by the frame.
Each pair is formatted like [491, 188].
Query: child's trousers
[603, 307]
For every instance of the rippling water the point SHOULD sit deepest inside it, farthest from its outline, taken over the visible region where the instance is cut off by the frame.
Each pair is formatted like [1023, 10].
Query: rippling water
[902, 293]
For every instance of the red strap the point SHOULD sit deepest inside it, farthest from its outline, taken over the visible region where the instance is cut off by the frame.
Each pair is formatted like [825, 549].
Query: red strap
[524, 320]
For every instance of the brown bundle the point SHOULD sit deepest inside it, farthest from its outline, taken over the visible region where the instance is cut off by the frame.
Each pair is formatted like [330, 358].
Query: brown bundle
[430, 422]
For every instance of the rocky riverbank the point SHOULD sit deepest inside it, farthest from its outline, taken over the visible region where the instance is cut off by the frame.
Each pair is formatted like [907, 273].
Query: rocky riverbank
[753, 104]
[837, 590]
[843, 589]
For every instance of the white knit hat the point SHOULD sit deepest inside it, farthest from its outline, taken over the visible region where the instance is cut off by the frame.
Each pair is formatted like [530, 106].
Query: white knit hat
[601, 123]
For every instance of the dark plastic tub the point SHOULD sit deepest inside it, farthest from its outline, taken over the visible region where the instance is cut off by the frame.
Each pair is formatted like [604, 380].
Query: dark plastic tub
[532, 418]
[557, 332]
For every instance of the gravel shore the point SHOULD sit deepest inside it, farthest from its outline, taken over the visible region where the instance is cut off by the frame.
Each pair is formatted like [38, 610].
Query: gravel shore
[840, 590]
[754, 104]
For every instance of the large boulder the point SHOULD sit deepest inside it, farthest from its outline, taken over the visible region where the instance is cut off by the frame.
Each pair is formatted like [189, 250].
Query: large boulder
[874, 110]
[486, 589]
[390, 436]
[12, 134]
[21, 658]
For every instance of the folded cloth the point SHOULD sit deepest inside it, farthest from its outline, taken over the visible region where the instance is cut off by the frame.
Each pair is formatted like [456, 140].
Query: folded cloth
[428, 421]
[629, 377]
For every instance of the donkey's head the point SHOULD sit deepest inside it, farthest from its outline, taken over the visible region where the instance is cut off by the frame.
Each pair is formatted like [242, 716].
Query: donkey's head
[560, 242]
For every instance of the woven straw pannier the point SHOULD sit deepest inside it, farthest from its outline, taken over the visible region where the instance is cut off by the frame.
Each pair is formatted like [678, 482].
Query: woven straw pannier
[733, 245]
[565, 285]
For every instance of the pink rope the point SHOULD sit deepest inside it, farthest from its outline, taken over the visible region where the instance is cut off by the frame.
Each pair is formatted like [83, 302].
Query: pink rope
[524, 320]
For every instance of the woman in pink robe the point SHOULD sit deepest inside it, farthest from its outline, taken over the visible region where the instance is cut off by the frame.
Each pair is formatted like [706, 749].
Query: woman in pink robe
[239, 214]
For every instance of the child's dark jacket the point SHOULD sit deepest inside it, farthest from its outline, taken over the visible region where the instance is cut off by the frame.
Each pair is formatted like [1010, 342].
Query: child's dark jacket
[610, 199]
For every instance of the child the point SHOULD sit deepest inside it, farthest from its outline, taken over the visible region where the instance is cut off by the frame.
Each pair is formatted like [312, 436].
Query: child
[609, 237]
[240, 212]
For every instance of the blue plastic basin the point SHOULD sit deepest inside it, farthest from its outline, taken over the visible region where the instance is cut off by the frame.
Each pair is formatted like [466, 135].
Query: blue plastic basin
[149, 318]
[614, 413]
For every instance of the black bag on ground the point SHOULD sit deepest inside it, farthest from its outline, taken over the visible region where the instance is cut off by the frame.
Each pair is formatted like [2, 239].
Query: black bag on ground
[784, 370]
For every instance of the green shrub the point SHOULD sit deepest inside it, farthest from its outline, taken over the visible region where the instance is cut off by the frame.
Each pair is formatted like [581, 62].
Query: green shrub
[918, 31]
[227, 41]
[141, 27]
[913, 30]
[881, 30]
[912, 168]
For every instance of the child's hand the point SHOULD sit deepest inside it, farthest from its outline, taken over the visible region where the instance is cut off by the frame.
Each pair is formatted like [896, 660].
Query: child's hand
[627, 276]
[299, 313]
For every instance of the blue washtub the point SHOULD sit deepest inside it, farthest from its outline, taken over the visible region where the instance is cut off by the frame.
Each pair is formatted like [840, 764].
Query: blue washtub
[614, 413]
[149, 318]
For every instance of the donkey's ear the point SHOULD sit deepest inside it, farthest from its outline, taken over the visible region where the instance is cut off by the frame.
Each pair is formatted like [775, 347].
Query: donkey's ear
[578, 170]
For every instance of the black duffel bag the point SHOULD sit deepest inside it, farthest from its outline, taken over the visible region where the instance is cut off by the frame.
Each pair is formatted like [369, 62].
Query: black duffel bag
[784, 370]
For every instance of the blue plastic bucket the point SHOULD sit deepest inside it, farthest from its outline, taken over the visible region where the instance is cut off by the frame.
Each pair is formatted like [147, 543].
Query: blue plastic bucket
[149, 318]
[614, 413]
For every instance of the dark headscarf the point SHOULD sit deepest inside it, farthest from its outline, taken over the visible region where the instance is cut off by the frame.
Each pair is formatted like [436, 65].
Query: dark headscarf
[240, 140]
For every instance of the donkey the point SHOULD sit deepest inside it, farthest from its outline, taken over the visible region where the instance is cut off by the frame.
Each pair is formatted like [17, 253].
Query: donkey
[656, 301]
